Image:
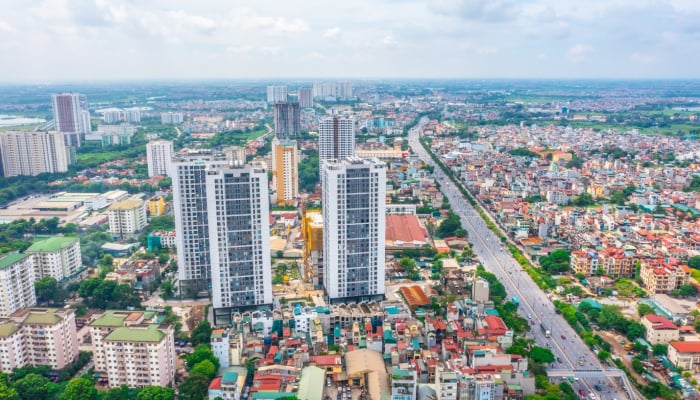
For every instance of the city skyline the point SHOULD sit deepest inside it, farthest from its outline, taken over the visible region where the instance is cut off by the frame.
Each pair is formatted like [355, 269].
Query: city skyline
[436, 39]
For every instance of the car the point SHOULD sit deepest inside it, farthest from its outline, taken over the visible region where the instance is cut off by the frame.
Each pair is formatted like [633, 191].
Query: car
[549, 345]
[582, 392]
[563, 337]
[580, 362]
[597, 387]
[559, 360]
[529, 316]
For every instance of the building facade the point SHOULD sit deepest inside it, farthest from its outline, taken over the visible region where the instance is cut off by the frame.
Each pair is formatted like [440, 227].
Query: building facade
[58, 257]
[71, 116]
[312, 226]
[171, 118]
[16, 283]
[306, 97]
[188, 172]
[354, 202]
[287, 119]
[336, 138]
[127, 217]
[239, 233]
[276, 94]
[33, 153]
[159, 154]
[285, 171]
[131, 349]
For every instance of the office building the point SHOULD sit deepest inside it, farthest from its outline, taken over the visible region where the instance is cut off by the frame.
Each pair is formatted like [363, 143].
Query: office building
[235, 154]
[354, 202]
[58, 257]
[171, 118]
[16, 283]
[71, 116]
[287, 119]
[191, 217]
[33, 153]
[37, 337]
[131, 348]
[285, 170]
[336, 138]
[159, 154]
[241, 275]
[306, 97]
[127, 218]
[276, 94]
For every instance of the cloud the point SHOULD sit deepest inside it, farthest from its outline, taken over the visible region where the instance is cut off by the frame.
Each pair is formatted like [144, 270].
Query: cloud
[6, 27]
[240, 49]
[643, 58]
[315, 55]
[248, 19]
[389, 41]
[270, 50]
[176, 26]
[488, 11]
[488, 50]
[577, 53]
[332, 33]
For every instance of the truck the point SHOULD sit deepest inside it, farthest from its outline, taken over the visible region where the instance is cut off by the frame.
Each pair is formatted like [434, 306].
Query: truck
[547, 332]
[515, 300]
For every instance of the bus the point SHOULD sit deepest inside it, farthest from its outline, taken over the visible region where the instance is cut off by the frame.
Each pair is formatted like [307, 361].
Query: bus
[515, 300]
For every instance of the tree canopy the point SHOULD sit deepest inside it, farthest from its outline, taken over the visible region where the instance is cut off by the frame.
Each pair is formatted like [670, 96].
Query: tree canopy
[556, 262]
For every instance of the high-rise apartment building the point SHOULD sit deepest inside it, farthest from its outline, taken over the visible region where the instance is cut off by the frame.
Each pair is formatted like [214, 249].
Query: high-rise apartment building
[285, 170]
[354, 203]
[38, 336]
[58, 257]
[239, 236]
[132, 115]
[306, 97]
[287, 119]
[333, 90]
[131, 348]
[72, 117]
[127, 217]
[188, 172]
[336, 138]
[33, 153]
[16, 283]
[276, 94]
[159, 154]
[171, 118]
[312, 228]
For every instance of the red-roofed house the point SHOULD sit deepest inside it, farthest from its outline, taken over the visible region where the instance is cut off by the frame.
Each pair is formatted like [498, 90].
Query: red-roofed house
[215, 388]
[494, 325]
[404, 230]
[685, 355]
[659, 329]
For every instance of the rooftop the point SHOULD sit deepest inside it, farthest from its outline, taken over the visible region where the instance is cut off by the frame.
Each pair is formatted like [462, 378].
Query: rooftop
[141, 333]
[52, 244]
[118, 317]
[43, 316]
[311, 383]
[686, 347]
[126, 205]
[8, 328]
[10, 259]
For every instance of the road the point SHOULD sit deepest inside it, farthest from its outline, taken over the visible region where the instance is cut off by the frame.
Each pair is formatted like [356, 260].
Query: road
[567, 346]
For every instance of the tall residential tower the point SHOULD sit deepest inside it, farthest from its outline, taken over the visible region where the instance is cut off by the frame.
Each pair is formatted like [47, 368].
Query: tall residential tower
[159, 154]
[354, 203]
[336, 139]
[72, 117]
[285, 170]
[287, 119]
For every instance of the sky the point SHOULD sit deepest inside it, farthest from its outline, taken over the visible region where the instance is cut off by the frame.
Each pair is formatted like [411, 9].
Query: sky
[44, 41]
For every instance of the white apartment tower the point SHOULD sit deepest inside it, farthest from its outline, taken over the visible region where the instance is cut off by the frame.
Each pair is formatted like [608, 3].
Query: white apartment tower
[285, 170]
[33, 153]
[276, 94]
[71, 115]
[336, 138]
[306, 98]
[241, 276]
[188, 172]
[159, 154]
[58, 257]
[354, 203]
[16, 283]
[127, 217]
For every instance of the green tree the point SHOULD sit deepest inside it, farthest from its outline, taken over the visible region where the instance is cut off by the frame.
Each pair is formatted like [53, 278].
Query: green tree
[167, 289]
[450, 226]
[556, 262]
[35, 386]
[205, 368]
[156, 393]
[635, 330]
[7, 392]
[46, 288]
[645, 309]
[201, 334]
[541, 355]
[603, 355]
[201, 353]
[161, 223]
[194, 388]
[688, 290]
[117, 393]
[694, 262]
[79, 389]
[637, 366]
[659, 349]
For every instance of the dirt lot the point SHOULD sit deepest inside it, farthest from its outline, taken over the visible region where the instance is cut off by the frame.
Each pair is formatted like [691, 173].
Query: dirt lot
[619, 351]
[196, 315]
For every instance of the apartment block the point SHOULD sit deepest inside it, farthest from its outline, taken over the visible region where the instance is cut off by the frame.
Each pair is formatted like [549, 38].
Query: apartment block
[664, 277]
[71, 116]
[285, 170]
[16, 283]
[305, 97]
[659, 330]
[159, 154]
[276, 94]
[192, 216]
[58, 257]
[241, 275]
[336, 138]
[171, 118]
[287, 119]
[312, 226]
[38, 336]
[127, 218]
[33, 153]
[132, 349]
[354, 201]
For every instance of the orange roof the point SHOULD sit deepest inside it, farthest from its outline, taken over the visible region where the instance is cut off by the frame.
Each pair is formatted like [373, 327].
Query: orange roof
[215, 384]
[686, 347]
[332, 359]
[405, 228]
[415, 296]
[660, 323]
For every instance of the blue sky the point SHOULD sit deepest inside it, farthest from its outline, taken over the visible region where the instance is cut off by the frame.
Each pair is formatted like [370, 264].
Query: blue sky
[58, 40]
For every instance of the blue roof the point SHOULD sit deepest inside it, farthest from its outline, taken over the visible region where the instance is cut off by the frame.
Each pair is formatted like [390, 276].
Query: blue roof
[229, 377]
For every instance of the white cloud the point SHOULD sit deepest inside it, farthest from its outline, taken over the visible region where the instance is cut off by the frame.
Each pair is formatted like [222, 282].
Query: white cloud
[643, 58]
[270, 50]
[488, 50]
[332, 33]
[488, 11]
[240, 49]
[577, 53]
[389, 41]
[248, 19]
[6, 27]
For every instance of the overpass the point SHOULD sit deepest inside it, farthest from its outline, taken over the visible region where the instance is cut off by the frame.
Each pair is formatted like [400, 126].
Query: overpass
[600, 373]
